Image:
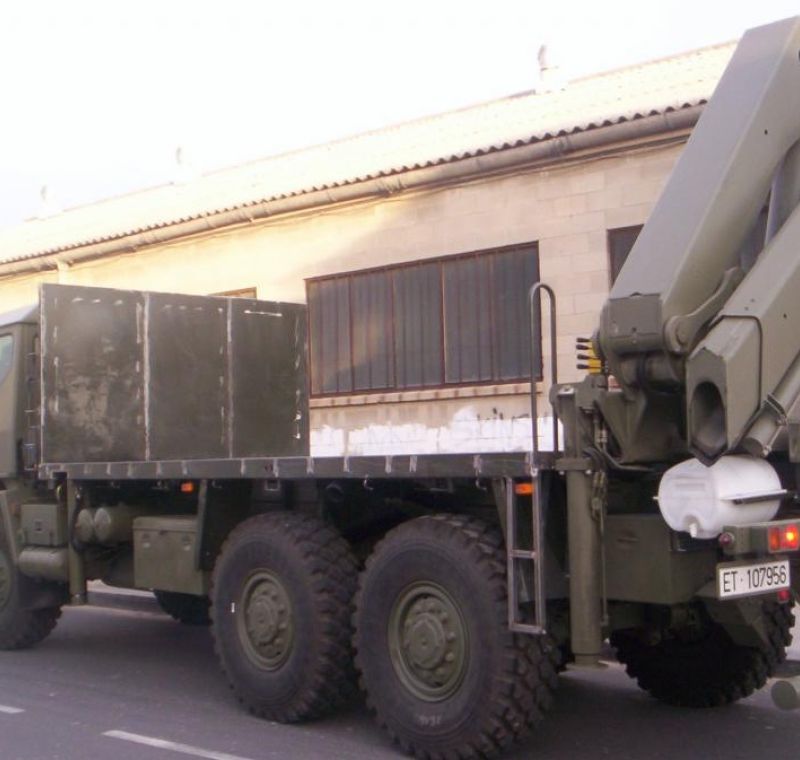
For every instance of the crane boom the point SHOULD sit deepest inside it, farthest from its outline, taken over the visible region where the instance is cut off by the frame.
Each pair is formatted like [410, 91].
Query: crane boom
[684, 275]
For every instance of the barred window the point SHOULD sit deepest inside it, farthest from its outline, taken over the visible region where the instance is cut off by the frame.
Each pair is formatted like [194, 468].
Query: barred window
[450, 321]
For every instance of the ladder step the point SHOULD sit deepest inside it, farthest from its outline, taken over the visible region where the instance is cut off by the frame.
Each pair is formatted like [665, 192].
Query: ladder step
[527, 628]
[517, 619]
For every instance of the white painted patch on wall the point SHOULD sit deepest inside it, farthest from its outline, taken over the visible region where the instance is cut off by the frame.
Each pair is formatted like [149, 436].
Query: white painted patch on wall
[466, 432]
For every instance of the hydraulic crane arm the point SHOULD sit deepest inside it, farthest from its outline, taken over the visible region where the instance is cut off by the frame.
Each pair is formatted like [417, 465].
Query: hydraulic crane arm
[684, 274]
[744, 376]
[705, 344]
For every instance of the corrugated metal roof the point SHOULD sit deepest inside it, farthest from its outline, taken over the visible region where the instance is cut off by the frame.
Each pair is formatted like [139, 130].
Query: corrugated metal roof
[637, 91]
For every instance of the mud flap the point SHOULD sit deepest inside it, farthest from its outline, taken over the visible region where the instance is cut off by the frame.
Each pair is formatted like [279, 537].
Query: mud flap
[743, 619]
[10, 502]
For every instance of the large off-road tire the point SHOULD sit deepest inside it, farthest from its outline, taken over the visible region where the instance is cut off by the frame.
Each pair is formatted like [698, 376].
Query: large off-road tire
[20, 626]
[442, 672]
[703, 667]
[281, 609]
[185, 608]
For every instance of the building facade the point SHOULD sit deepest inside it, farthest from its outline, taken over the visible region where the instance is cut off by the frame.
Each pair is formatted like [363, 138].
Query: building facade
[414, 247]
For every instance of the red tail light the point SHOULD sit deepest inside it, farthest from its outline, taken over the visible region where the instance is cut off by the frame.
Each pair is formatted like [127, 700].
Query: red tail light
[784, 538]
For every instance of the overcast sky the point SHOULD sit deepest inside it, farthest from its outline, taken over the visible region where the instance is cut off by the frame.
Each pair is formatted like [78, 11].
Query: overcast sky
[97, 95]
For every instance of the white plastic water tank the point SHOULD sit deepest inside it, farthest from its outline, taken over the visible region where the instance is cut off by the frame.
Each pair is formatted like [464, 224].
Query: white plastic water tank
[700, 500]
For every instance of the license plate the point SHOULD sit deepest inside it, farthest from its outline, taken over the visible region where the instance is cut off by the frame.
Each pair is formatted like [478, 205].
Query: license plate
[752, 579]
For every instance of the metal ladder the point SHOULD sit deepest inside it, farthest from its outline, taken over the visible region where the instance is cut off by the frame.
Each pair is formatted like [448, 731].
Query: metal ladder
[516, 554]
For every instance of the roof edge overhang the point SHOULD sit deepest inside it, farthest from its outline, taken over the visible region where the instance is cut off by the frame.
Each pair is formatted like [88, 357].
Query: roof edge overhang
[560, 149]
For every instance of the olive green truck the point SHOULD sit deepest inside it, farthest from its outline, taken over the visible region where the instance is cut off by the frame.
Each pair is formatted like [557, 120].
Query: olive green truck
[160, 441]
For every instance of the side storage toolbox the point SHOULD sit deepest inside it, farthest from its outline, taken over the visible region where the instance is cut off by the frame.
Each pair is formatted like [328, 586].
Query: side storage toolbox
[164, 554]
[44, 524]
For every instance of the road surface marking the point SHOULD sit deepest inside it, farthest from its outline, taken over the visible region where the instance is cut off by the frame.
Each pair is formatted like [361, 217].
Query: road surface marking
[10, 710]
[185, 749]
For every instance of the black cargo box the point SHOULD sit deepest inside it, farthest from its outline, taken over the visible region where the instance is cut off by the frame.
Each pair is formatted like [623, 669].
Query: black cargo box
[131, 376]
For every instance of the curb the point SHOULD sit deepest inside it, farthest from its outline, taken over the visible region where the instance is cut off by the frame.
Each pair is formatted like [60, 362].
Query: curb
[133, 601]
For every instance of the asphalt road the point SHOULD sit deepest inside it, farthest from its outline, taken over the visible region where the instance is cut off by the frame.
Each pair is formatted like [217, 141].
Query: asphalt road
[111, 683]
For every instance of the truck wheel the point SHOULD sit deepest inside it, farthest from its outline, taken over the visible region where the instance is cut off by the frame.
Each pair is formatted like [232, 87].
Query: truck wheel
[702, 666]
[20, 627]
[281, 608]
[442, 672]
[185, 608]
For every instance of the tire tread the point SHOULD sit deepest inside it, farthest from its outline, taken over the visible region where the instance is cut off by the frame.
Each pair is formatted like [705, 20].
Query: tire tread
[731, 672]
[333, 571]
[29, 628]
[528, 677]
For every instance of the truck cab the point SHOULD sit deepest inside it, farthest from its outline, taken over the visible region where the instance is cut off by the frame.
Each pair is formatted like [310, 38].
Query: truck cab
[19, 390]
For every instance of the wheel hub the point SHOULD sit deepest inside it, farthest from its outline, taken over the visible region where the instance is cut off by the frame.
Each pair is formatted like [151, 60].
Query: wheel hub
[265, 621]
[428, 642]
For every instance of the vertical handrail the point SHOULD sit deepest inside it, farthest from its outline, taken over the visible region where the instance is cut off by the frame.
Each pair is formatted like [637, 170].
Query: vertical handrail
[540, 605]
[535, 324]
[511, 560]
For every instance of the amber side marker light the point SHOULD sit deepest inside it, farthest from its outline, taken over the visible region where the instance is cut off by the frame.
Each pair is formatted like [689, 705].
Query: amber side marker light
[523, 489]
[187, 487]
[784, 538]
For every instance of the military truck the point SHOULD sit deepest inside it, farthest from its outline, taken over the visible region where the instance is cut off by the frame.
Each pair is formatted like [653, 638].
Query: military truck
[160, 441]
